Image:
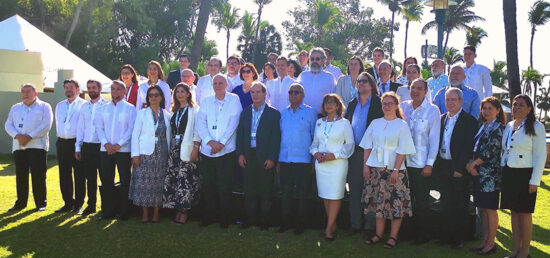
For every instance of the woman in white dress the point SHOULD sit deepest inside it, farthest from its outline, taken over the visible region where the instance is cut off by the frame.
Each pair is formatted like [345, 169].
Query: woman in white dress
[332, 145]
[387, 194]
[155, 76]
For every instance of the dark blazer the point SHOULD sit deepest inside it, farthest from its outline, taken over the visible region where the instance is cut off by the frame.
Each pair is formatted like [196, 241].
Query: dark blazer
[375, 110]
[370, 70]
[393, 87]
[462, 140]
[268, 135]
[175, 77]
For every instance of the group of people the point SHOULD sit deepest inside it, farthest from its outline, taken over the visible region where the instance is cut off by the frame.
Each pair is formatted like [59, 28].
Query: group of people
[297, 121]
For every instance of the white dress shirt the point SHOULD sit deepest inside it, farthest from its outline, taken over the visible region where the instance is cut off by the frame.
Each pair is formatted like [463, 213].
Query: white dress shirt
[316, 86]
[479, 78]
[233, 82]
[218, 120]
[86, 131]
[205, 88]
[404, 94]
[143, 133]
[34, 120]
[386, 139]
[425, 125]
[277, 92]
[114, 124]
[334, 70]
[445, 150]
[142, 94]
[66, 117]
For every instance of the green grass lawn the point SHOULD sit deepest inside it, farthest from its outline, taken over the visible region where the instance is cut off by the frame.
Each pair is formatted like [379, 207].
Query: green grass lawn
[40, 234]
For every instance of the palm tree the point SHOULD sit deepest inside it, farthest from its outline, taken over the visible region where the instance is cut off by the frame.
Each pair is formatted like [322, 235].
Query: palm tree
[451, 57]
[412, 11]
[511, 35]
[544, 102]
[498, 74]
[474, 36]
[202, 22]
[395, 6]
[227, 18]
[458, 17]
[261, 4]
[300, 46]
[326, 16]
[538, 16]
[246, 39]
[531, 78]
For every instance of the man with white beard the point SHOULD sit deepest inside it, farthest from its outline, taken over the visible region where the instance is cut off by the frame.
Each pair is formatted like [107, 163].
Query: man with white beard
[438, 80]
[316, 81]
[471, 100]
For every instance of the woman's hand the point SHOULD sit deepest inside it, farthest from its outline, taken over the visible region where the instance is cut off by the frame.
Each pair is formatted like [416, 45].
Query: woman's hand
[319, 157]
[136, 161]
[366, 172]
[393, 177]
[533, 188]
[329, 157]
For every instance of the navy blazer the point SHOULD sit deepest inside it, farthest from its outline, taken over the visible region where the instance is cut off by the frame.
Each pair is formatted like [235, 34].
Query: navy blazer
[175, 77]
[462, 140]
[268, 135]
[375, 110]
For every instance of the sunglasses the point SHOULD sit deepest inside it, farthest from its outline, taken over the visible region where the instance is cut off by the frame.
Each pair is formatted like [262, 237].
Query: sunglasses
[246, 71]
[363, 81]
[315, 59]
[294, 92]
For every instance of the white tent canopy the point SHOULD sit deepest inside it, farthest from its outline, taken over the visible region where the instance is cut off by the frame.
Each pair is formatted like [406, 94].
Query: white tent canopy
[18, 34]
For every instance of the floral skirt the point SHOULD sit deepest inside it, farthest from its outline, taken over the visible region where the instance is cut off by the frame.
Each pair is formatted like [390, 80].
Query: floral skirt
[386, 200]
[182, 181]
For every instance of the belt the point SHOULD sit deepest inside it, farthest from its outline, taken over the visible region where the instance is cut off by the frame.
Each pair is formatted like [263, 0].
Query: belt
[65, 140]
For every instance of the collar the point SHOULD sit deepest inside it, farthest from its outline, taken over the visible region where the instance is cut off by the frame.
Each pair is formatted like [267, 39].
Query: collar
[259, 109]
[388, 82]
[472, 66]
[301, 106]
[456, 115]
[359, 100]
[216, 100]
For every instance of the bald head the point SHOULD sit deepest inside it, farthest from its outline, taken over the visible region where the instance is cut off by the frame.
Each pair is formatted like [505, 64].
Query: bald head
[457, 76]
[219, 82]
[187, 76]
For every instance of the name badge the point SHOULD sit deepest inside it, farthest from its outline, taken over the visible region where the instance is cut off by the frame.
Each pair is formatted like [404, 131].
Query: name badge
[214, 127]
[253, 136]
[156, 139]
[178, 138]
[443, 151]
[20, 125]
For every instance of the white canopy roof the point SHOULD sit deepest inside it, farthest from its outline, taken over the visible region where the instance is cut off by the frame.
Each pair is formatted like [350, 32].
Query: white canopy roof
[18, 34]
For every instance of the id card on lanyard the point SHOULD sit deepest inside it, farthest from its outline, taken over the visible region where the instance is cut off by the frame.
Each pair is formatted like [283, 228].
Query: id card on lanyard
[24, 111]
[326, 132]
[156, 124]
[179, 116]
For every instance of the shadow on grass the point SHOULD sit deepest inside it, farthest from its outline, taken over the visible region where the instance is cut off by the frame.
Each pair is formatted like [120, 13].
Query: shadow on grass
[9, 170]
[9, 217]
[505, 237]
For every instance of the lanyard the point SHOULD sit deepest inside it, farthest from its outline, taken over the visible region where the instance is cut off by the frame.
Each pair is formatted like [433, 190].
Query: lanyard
[156, 122]
[129, 92]
[480, 134]
[327, 132]
[70, 110]
[256, 115]
[179, 116]
[24, 111]
[375, 74]
[509, 138]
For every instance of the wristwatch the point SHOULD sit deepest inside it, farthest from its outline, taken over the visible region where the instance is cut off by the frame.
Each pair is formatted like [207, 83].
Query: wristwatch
[395, 169]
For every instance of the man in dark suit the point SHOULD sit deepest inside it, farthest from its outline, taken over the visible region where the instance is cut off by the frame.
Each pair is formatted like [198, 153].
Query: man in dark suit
[377, 56]
[360, 113]
[258, 144]
[175, 76]
[458, 130]
[385, 84]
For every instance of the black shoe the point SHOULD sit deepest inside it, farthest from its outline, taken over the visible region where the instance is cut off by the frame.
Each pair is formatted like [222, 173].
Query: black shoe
[298, 231]
[77, 210]
[39, 209]
[457, 245]
[283, 229]
[87, 211]
[421, 240]
[491, 251]
[16, 208]
[65, 208]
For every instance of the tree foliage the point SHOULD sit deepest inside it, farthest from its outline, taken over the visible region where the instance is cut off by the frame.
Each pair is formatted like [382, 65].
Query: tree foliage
[269, 40]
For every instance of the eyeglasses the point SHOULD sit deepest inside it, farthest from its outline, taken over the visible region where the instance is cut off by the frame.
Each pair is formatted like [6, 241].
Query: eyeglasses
[294, 92]
[246, 71]
[315, 59]
[154, 95]
[363, 81]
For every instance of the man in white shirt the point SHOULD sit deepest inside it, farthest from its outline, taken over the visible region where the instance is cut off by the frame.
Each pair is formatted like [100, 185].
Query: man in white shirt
[477, 76]
[316, 81]
[233, 78]
[217, 123]
[66, 123]
[303, 58]
[87, 144]
[425, 122]
[187, 77]
[334, 70]
[204, 86]
[28, 124]
[277, 89]
[114, 125]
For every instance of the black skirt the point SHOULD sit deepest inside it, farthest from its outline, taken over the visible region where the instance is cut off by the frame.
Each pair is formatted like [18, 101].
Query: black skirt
[515, 190]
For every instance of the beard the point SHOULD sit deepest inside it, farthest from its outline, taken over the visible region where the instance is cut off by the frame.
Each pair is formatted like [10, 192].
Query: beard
[315, 68]
[436, 73]
[93, 95]
[456, 83]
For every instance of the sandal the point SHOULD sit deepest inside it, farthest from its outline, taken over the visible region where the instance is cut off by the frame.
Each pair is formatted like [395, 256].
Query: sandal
[389, 245]
[372, 240]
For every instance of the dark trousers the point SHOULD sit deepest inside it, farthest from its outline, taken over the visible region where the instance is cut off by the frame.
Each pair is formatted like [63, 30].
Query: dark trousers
[356, 184]
[68, 165]
[35, 160]
[295, 183]
[454, 202]
[90, 162]
[420, 197]
[258, 187]
[122, 162]
[217, 180]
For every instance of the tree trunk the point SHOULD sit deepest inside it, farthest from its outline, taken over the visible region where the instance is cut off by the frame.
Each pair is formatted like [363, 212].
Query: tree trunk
[260, 7]
[446, 41]
[510, 29]
[391, 36]
[227, 45]
[531, 46]
[406, 37]
[73, 24]
[202, 22]
[540, 114]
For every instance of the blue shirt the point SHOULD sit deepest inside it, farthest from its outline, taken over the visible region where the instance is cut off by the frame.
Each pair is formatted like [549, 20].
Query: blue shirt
[245, 98]
[316, 86]
[435, 84]
[359, 120]
[256, 116]
[297, 131]
[470, 102]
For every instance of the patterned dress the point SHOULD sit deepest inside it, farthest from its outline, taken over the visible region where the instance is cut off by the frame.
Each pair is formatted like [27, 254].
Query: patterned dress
[148, 179]
[182, 182]
[386, 200]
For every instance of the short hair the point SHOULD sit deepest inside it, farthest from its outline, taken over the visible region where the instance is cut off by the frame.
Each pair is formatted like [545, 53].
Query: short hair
[187, 70]
[264, 88]
[318, 50]
[439, 60]
[272, 66]
[391, 94]
[118, 82]
[303, 52]
[220, 75]
[162, 102]
[420, 79]
[341, 108]
[216, 59]
[175, 102]
[379, 49]
[71, 81]
[252, 68]
[272, 53]
[470, 47]
[297, 67]
[327, 51]
[410, 57]
[132, 69]
[495, 103]
[361, 64]
[282, 58]
[97, 83]
[372, 83]
[457, 91]
[302, 90]
[236, 57]
[385, 61]
[28, 85]
[415, 66]
[184, 55]
[159, 68]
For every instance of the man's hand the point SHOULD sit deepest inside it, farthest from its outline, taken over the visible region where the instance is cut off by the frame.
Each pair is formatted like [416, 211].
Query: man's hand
[427, 171]
[532, 188]
[457, 175]
[194, 155]
[366, 172]
[216, 146]
[242, 161]
[109, 149]
[268, 164]
[77, 156]
[394, 176]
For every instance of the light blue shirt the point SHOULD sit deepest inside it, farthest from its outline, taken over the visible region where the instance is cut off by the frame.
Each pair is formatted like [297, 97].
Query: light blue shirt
[470, 102]
[435, 84]
[316, 86]
[297, 131]
[359, 119]
[256, 116]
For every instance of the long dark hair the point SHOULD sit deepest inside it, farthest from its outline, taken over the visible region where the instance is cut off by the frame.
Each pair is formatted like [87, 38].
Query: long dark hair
[495, 103]
[272, 68]
[162, 102]
[175, 102]
[361, 64]
[530, 119]
[297, 67]
[404, 70]
[131, 68]
[372, 83]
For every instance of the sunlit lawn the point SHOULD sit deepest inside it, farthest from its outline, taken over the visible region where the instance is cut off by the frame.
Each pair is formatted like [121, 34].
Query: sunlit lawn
[28, 233]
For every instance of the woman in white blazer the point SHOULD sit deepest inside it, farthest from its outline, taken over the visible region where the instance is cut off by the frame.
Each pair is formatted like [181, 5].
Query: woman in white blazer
[150, 144]
[181, 184]
[155, 76]
[524, 144]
